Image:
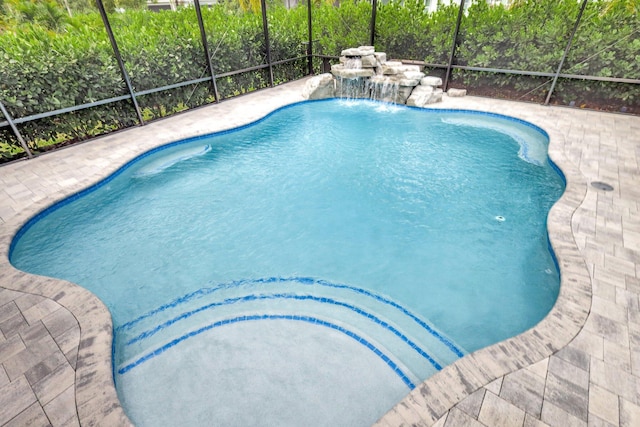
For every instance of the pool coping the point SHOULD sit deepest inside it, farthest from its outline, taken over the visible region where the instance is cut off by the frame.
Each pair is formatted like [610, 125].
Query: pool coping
[95, 396]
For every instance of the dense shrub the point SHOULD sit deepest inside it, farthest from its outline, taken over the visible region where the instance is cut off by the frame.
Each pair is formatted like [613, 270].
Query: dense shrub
[607, 44]
[531, 35]
[406, 30]
[338, 28]
[43, 71]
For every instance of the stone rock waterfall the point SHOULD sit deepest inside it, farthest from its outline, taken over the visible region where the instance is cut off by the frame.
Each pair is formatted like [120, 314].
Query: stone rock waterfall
[365, 73]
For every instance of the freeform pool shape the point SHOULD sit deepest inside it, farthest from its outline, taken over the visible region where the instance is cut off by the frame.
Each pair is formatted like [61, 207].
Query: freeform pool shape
[310, 268]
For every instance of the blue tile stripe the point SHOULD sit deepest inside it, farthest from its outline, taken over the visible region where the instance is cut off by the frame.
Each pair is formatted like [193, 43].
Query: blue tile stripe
[303, 281]
[458, 352]
[248, 298]
[312, 320]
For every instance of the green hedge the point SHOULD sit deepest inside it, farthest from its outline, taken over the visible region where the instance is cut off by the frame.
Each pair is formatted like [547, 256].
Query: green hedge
[531, 35]
[44, 71]
[48, 67]
[342, 27]
[405, 30]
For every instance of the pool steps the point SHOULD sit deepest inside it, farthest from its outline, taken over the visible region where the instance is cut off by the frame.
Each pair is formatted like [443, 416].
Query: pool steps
[410, 342]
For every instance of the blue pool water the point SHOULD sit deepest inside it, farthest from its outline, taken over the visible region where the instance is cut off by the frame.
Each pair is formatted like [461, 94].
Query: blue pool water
[312, 268]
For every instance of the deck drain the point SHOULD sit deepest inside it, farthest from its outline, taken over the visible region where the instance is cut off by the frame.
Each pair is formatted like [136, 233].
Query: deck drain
[601, 186]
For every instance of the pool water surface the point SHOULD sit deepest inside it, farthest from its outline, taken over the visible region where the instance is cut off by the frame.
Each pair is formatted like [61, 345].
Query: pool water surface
[310, 268]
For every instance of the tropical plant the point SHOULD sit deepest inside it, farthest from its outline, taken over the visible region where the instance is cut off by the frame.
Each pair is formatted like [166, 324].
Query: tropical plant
[46, 13]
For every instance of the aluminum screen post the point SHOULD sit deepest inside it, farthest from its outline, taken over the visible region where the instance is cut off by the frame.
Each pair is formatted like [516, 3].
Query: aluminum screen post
[566, 52]
[15, 130]
[372, 29]
[205, 47]
[265, 30]
[116, 53]
[310, 31]
[454, 46]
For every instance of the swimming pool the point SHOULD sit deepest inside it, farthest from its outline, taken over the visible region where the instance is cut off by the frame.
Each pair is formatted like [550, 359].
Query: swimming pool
[312, 259]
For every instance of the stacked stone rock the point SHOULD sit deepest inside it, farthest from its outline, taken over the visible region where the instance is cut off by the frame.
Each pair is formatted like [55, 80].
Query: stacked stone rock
[369, 72]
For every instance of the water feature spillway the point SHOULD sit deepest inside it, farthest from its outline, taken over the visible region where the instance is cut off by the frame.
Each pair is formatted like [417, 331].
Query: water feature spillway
[364, 73]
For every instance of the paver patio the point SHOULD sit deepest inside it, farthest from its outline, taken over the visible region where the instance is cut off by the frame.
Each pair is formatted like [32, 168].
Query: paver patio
[580, 366]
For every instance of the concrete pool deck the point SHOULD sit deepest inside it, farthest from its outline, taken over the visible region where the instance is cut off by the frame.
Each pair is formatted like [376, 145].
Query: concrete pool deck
[580, 366]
